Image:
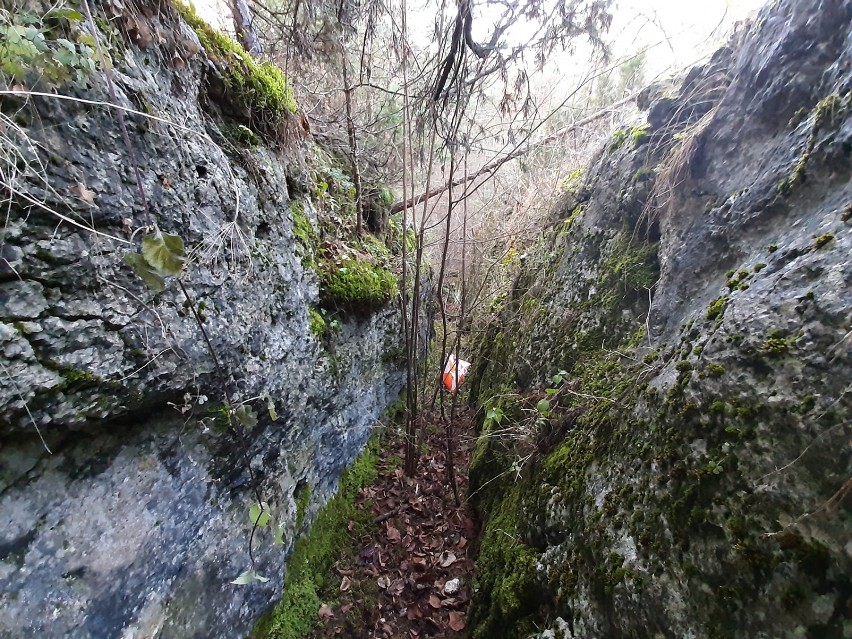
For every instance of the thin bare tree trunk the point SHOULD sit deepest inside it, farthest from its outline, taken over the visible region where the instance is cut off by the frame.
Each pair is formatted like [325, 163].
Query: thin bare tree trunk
[244, 27]
[410, 463]
[439, 387]
[353, 146]
[451, 467]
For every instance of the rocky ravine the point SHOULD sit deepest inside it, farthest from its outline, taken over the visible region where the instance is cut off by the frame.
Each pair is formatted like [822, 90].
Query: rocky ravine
[691, 477]
[137, 520]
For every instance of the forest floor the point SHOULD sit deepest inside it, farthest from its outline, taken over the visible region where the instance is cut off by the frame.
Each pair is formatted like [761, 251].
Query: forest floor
[408, 568]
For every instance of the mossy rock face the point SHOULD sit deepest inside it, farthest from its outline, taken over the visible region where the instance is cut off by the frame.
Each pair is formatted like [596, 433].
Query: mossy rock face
[506, 587]
[625, 501]
[256, 91]
[666, 478]
[296, 614]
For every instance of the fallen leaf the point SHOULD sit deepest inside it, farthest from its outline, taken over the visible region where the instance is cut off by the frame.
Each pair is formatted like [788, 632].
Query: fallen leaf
[395, 587]
[345, 584]
[325, 612]
[248, 577]
[418, 564]
[393, 534]
[345, 608]
[383, 582]
[457, 622]
[413, 613]
[434, 601]
[87, 195]
[139, 32]
[447, 558]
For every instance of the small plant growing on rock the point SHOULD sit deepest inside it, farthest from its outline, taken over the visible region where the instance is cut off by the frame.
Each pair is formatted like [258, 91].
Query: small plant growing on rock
[48, 48]
[619, 136]
[639, 133]
[822, 240]
[716, 308]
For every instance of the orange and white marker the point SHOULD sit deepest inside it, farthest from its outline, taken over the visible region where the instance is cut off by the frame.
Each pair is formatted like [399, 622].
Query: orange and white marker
[454, 375]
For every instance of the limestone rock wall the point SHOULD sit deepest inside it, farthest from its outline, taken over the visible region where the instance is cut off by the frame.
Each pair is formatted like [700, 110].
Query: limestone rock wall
[692, 476]
[136, 520]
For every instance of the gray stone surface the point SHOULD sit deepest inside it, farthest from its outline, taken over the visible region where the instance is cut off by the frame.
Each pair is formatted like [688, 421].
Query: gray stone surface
[707, 494]
[136, 521]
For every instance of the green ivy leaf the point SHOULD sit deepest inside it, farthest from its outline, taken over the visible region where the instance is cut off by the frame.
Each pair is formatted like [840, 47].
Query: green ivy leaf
[551, 391]
[65, 58]
[556, 380]
[249, 576]
[63, 42]
[148, 275]
[27, 18]
[259, 514]
[543, 406]
[164, 252]
[33, 35]
[246, 416]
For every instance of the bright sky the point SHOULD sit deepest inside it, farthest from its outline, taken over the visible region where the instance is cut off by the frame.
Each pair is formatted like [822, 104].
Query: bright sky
[688, 29]
[679, 32]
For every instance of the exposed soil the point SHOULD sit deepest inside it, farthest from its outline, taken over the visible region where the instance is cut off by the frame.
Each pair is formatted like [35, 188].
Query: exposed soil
[411, 543]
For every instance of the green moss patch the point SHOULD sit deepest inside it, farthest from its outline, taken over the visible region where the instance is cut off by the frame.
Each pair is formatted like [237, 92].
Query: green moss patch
[619, 136]
[316, 322]
[259, 89]
[307, 237]
[313, 555]
[822, 240]
[639, 133]
[506, 577]
[240, 135]
[717, 308]
[826, 113]
[355, 286]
